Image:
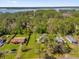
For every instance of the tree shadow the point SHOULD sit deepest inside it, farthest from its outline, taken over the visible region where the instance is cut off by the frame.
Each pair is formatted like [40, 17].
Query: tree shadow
[49, 57]
[25, 50]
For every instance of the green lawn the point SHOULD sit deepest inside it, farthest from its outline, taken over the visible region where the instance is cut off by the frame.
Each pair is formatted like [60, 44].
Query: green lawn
[75, 52]
[32, 46]
[75, 48]
[9, 47]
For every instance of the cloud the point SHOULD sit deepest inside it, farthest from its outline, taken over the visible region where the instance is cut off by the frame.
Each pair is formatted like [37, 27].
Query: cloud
[12, 1]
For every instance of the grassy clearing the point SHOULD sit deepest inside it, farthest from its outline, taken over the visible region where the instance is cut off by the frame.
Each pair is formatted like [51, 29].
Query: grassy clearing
[22, 35]
[75, 48]
[75, 52]
[32, 46]
[10, 56]
[9, 47]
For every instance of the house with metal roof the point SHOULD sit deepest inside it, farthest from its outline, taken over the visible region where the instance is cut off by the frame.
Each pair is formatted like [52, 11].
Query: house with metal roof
[71, 39]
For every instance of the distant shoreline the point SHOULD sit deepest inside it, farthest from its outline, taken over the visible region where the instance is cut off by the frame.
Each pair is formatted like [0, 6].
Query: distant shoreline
[39, 7]
[19, 9]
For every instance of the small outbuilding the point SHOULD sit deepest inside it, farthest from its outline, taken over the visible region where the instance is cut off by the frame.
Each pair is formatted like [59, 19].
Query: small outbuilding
[18, 40]
[42, 38]
[59, 39]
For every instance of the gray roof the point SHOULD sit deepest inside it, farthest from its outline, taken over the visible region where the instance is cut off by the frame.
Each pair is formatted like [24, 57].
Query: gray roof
[70, 38]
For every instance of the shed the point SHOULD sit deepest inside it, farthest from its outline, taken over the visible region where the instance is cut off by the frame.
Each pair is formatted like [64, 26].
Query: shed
[59, 39]
[42, 38]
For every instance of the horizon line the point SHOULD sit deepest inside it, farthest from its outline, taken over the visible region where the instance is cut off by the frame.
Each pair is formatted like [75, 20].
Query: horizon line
[43, 7]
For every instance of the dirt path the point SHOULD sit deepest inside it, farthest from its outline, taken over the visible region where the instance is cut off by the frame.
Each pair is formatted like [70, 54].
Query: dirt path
[68, 58]
[57, 58]
[18, 55]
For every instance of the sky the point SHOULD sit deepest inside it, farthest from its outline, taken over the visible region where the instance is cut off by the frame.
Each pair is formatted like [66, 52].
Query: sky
[38, 3]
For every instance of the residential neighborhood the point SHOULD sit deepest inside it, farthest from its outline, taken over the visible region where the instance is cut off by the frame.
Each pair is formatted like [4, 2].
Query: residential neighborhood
[39, 34]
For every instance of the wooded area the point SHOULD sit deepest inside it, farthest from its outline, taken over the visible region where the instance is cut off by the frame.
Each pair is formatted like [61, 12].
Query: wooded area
[41, 21]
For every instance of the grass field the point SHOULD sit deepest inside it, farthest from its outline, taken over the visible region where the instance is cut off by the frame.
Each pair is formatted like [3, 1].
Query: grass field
[74, 52]
[9, 47]
[32, 49]
[30, 53]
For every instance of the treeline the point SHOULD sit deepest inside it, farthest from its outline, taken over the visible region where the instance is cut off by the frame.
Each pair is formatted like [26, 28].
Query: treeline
[41, 21]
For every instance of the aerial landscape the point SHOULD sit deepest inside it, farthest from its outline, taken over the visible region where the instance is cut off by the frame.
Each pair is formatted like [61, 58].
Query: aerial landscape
[39, 33]
[39, 29]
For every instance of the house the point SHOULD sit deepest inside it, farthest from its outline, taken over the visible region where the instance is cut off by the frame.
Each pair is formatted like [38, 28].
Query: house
[71, 39]
[18, 40]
